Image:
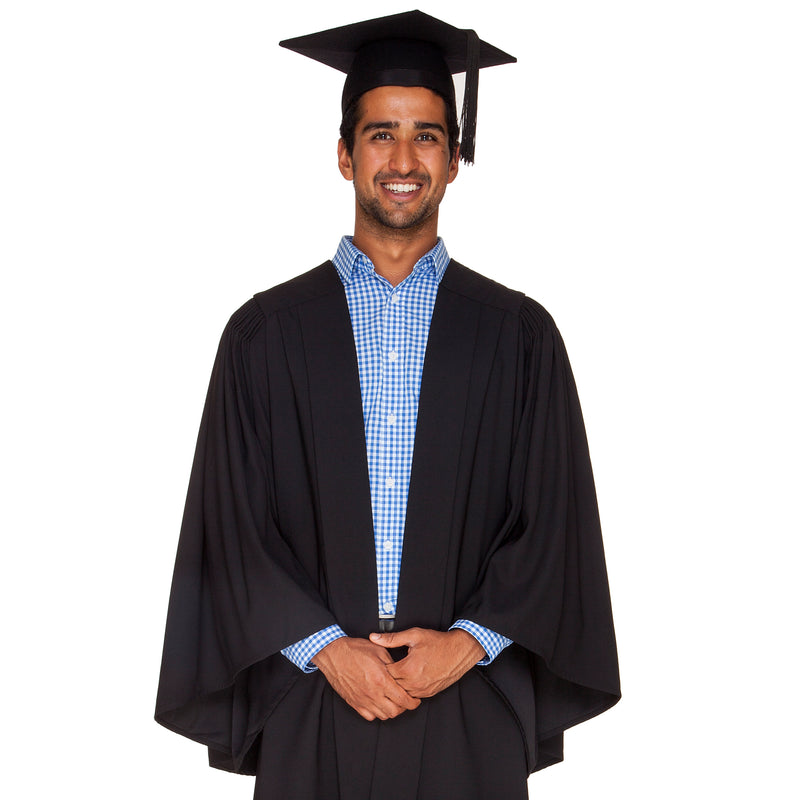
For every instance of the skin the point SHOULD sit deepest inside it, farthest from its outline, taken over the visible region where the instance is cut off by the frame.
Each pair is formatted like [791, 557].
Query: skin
[435, 660]
[365, 676]
[401, 138]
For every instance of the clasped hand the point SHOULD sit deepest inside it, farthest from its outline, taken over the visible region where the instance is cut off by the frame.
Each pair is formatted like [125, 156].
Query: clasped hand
[364, 675]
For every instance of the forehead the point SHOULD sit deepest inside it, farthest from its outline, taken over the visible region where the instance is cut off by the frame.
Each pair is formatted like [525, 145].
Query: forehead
[399, 103]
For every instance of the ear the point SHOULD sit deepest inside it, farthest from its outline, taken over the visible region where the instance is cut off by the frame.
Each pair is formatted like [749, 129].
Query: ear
[345, 161]
[452, 169]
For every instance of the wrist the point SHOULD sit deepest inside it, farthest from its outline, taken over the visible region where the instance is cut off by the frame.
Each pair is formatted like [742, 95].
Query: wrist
[469, 646]
[323, 658]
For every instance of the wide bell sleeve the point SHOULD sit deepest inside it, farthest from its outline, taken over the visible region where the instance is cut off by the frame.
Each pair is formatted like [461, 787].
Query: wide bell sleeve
[544, 583]
[238, 593]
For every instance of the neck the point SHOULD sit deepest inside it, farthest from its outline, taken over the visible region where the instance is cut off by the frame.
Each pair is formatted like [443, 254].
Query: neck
[394, 252]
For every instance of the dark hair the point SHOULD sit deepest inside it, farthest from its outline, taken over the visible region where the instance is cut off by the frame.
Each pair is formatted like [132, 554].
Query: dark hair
[352, 114]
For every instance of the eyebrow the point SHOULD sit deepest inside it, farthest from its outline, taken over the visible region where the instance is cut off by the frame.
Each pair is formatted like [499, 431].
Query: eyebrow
[419, 126]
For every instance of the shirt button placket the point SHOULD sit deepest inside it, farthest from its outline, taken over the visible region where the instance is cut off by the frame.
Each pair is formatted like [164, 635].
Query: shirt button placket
[393, 338]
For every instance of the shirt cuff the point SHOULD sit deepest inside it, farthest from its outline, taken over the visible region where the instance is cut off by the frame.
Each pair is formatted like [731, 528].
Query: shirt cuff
[301, 653]
[493, 643]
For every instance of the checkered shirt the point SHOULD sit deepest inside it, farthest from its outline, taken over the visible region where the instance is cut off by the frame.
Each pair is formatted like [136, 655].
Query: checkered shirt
[390, 327]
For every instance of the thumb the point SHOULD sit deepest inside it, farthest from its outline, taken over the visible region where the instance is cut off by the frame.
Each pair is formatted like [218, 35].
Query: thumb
[393, 639]
[383, 639]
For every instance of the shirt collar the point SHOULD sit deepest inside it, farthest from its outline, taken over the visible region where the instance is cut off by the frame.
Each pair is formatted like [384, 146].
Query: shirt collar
[348, 256]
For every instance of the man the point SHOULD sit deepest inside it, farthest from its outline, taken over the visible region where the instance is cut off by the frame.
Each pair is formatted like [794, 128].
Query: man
[390, 578]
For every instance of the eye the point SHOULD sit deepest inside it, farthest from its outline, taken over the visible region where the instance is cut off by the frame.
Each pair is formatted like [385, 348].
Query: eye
[382, 136]
[426, 137]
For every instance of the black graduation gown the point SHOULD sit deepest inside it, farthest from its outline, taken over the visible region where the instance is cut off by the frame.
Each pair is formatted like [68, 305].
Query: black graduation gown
[502, 528]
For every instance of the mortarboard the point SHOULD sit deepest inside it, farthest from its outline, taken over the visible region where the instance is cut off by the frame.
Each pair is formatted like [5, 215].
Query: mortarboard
[409, 49]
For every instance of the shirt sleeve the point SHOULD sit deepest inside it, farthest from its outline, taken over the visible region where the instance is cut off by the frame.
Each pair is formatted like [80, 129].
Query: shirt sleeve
[301, 653]
[493, 643]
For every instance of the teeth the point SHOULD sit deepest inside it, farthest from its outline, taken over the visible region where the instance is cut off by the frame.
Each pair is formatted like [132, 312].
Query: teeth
[402, 187]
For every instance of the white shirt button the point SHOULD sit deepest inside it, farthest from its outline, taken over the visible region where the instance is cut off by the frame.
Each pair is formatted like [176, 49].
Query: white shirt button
[392, 418]
[393, 355]
[387, 545]
[390, 483]
[388, 607]
[395, 298]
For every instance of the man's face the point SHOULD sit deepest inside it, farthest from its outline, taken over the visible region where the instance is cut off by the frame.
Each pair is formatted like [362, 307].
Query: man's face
[400, 164]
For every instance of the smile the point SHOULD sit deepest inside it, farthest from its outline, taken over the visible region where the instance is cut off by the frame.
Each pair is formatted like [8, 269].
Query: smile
[402, 187]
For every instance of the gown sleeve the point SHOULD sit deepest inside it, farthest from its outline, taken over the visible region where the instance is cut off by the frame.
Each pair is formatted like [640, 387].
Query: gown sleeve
[544, 582]
[238, 594]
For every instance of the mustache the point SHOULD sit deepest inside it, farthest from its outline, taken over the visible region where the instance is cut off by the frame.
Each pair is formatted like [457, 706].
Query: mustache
[389, 177]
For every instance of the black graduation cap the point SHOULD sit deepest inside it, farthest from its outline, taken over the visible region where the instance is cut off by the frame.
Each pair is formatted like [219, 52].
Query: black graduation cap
[409, 49]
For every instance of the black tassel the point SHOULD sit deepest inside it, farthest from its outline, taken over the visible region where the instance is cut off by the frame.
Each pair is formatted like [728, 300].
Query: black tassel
[469, 111]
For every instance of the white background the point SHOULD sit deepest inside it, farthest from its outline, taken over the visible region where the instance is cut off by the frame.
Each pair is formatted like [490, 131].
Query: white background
[637, 172]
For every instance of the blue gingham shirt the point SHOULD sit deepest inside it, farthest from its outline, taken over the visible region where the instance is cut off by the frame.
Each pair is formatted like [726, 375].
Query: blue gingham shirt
[390, 327]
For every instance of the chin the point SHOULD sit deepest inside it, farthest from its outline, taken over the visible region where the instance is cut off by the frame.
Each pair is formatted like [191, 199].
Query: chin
[395, 219]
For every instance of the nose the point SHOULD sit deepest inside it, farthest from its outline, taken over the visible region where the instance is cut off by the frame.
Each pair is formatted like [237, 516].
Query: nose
[403, 157]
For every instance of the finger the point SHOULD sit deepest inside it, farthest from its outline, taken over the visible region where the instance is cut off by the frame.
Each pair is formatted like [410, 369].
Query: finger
[365, 714]
[391, 709]
[409, 664]
[379, 706]
[398, 695]
[395, 638]
[383, 655]
[409, 704]
[386, 708]
[396, 670]
[383, 639]
[414, 688]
